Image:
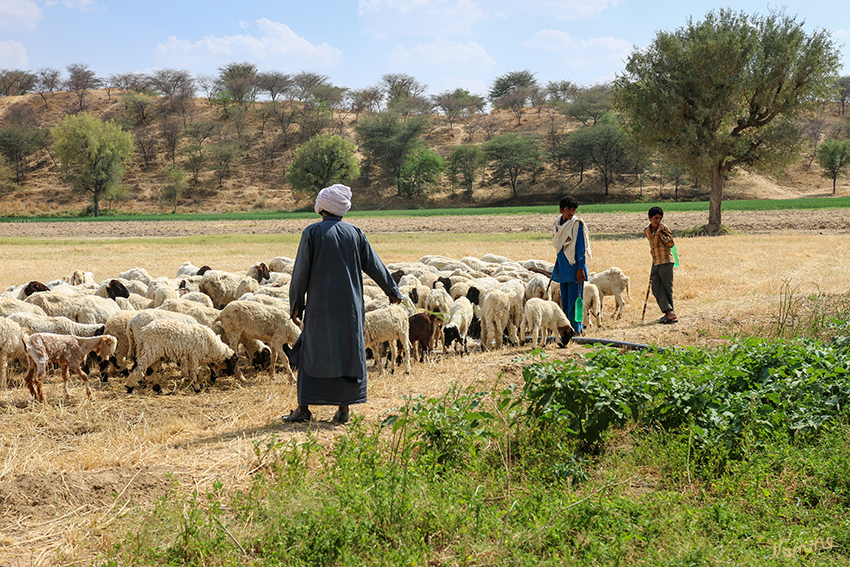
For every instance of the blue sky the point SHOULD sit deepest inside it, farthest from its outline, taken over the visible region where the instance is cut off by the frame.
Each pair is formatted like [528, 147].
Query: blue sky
[444, 44]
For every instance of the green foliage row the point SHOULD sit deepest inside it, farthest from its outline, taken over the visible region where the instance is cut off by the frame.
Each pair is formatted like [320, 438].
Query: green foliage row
[728, 399]
[642, 208]
[728, 456]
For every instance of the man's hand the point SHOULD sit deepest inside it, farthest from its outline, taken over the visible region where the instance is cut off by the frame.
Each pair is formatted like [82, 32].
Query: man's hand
[580, 276]
[395, 299]
[296, 317]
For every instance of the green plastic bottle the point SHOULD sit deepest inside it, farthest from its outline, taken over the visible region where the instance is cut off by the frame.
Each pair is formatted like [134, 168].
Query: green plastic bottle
[579, 309]
[675, 257]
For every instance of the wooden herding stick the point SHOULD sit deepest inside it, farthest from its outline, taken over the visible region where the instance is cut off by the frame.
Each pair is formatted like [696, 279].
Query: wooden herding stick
[645, 300]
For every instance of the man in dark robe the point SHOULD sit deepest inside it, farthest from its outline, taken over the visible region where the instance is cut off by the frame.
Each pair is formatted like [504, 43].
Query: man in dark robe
[326, 293]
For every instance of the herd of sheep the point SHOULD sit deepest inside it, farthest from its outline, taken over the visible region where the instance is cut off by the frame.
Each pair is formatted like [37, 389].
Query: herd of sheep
[132, 324]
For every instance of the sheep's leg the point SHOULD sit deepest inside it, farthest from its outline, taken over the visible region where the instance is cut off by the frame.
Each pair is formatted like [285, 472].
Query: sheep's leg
[273, 364]
[406, 347]
[284, 360]
[29, 379]
[4, 370]
[621, 305]
[83, 376]
[192, 364]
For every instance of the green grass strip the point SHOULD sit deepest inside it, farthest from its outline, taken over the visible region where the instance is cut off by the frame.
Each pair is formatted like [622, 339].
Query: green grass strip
[743, 205]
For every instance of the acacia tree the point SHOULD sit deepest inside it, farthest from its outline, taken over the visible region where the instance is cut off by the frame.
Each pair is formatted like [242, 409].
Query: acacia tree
[93, 154]
[723, 92]
[323, 160]
[512, 90]
[81, 80]
[602, 146]
[386, 140]
[511, 155]
[833, 158]
[842, 87]
[463, 166]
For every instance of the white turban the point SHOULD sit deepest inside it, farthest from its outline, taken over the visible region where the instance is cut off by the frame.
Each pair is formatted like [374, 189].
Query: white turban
[335, 199]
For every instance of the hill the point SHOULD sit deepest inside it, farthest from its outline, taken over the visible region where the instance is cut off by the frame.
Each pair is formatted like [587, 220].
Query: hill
[258, 181]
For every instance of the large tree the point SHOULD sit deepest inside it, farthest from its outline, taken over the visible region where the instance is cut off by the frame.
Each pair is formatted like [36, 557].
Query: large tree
[323, 160]
[386, 140]
[93, 154]
[722, 92]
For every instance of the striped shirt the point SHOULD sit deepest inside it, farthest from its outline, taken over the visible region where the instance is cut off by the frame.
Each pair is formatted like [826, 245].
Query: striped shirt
[660, 244]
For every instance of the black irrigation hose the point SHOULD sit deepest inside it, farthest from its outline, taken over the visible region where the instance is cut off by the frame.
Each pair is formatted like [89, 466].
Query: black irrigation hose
[609, 342]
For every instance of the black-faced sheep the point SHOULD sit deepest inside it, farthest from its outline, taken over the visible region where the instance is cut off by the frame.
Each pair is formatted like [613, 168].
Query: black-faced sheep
[242, 321]
[457, 328]
[189, 344]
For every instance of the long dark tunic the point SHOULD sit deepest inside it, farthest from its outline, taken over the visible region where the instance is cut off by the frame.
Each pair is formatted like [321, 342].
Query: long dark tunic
[327, 289]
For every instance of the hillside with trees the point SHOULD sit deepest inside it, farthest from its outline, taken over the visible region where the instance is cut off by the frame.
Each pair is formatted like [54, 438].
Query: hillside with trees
[247, 139]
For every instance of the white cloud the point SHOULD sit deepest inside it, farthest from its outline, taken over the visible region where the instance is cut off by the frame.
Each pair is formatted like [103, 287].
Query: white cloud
[841, 34]
[276, 44]
[443, 54]
[562, 9]
[383, 18]
[19, 15]
[81, 5]
[13, 55]
[580, 53]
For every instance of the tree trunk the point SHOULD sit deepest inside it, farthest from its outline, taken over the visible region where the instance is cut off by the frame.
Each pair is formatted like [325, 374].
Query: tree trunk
[715, 200]
[96, 206]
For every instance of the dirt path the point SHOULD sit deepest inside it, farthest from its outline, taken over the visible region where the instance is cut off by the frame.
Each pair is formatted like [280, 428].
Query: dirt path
[752, 222]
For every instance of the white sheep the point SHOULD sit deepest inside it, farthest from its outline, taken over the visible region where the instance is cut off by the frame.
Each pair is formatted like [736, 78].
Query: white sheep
[495, 316]
[542, 316]
[161, 289]
[121, 358]
[138, 274]
[80, 308]
[224, 287]
[242, 321]
[389, 324]
[592, 305]
[9, 305]
[143, 318]
[198, 297]
[537, 286]
[612, 282]
[187, 269]
[438, 302]
[57, 325]
[11, 347]
[515, 289]
[460, 319]
[188, 344]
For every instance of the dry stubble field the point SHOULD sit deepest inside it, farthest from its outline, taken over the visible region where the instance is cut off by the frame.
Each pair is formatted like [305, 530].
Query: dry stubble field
[68, 466]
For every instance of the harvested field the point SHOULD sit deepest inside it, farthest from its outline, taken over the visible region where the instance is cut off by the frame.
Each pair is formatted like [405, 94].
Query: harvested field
[68, 466]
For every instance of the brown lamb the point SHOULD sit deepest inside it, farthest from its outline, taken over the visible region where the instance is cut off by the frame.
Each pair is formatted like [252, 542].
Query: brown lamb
[68, 351]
